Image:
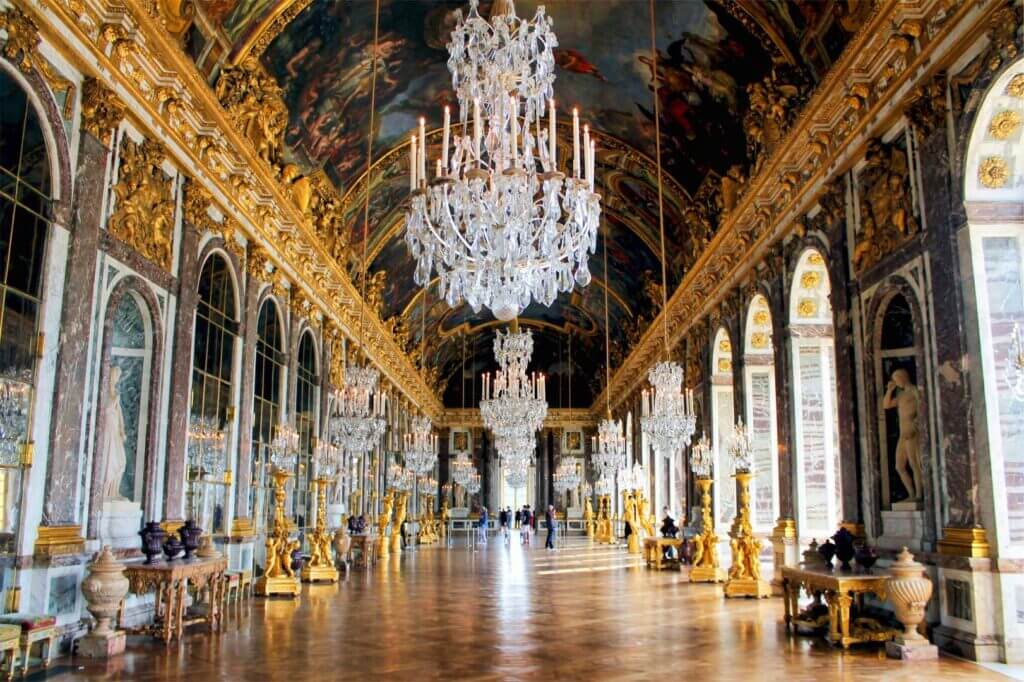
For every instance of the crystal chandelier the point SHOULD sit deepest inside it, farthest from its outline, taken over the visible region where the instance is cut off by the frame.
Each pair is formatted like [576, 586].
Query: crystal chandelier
[567, 476]
[420, 447]
[667, 418]
[741, 448]
[702, 457]
[284, 449]
[462, 468]
[603, 485]
[517, 473]
[356, 420]
[513, 403]
[609, 447]
[632, 479]
[473, 484]
[401, 478]
[498, 221]
[206, 446]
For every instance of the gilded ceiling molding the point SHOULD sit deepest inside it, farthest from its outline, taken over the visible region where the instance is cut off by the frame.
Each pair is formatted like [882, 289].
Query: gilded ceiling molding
[258, 40]
[849, 102]
[137, 56]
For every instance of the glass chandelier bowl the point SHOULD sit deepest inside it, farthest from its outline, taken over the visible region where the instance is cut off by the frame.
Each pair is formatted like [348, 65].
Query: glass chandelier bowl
[284, 449]
[420, 446]
[517, 473]
[356, 420]
[609, 447]
[702, 457]
[499, 222]
[513, 402]
[741, 448]
[567, 476]
[667, 418]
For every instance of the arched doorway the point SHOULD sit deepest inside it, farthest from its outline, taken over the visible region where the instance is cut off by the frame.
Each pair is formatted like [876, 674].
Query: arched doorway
[816, 433]
[759, 385]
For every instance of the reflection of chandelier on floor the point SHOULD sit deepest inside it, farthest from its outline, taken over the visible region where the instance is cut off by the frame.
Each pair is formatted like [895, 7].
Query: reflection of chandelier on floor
[498, 221]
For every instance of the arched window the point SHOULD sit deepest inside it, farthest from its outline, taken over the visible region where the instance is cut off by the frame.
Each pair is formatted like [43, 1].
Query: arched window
[216, 334]
[814, 397]
[723, 418]
[759, 382]
[306, 403]
[24, 205]
[266, 402]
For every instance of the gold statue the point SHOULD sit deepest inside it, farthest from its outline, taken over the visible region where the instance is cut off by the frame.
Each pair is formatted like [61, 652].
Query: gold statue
[645, 519]
[321, 564]
[632, 518]
[745, 572]
[588, 518]
[279, 577]
[445, 518]
[705, 566]
[401, 504]
[382, 525]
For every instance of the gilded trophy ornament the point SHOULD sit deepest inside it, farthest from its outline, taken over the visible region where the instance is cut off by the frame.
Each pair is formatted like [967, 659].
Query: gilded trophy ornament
[1004, 125]
[22, 38]
[994, 172]
[887, 215]
[143, 214]
[102, 111]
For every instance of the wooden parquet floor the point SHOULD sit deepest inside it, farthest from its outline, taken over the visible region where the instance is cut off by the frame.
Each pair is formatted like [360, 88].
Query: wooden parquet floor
[505, 613]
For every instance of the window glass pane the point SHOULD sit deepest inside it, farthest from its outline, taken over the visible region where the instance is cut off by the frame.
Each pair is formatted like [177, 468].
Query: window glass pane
[18, 333]
[35, 164]
[26, 256]
[12, 116]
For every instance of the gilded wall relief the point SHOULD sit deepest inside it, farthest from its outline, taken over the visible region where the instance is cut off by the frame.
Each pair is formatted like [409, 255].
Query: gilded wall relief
[886, 208]
[143, 214]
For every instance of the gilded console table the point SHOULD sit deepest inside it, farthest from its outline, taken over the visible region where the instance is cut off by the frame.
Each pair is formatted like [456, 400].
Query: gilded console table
[843, 592]
[171, 580]
[654, 551]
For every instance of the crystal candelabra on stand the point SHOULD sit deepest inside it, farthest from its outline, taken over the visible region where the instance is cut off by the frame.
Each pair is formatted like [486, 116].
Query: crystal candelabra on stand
[279, 576]
[705, 568]
[320, 567]
[499, 222]
[745, 571]
[667, 415]
[357, 410]
[428, 533]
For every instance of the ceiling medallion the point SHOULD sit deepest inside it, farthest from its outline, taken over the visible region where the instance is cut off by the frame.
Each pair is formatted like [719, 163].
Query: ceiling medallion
[1004, 125]
[497, 220]
[993, 172]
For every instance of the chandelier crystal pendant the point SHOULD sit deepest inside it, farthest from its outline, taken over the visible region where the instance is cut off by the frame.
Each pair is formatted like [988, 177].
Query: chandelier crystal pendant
[667, 417]
[356, 420]
[702, 457]
[513, 403]
[420, 447]
[499, 222]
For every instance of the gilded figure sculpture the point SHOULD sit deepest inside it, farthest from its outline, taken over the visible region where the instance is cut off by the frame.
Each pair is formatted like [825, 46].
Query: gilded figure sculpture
[143, 214]
[321, 562]
[705, 545]
[279, 576]
[588, 518]
[401, 507]
[102, 111]
[745, 571]
[383, 540]
[887, 216]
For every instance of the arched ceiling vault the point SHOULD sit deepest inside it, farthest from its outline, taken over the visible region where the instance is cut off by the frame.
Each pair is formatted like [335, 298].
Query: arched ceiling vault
[711, 54]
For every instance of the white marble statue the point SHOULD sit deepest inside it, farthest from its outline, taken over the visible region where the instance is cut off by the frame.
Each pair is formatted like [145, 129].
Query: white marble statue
[903, 395]
[460, 496]
[112, 445]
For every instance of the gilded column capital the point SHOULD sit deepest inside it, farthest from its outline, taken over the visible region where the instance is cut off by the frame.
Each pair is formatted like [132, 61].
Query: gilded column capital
[257, 263]
[102, 111]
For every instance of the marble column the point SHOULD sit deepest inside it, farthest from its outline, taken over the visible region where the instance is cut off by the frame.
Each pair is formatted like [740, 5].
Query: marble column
[782, 347]
[957, 449]
[62, 502]
[243, 477]
[181, 376]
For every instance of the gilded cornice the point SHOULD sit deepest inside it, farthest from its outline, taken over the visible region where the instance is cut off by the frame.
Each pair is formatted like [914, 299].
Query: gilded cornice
[556, 418]
[897, 50]
[127, 45]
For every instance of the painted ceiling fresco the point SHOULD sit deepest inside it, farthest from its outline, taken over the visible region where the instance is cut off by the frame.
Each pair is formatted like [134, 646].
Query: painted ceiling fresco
[709, 53]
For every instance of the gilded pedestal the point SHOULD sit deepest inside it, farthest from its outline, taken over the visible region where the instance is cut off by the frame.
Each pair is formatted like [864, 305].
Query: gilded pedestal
[279, 576]
[320, 566]
[745, 572]
[705, 546]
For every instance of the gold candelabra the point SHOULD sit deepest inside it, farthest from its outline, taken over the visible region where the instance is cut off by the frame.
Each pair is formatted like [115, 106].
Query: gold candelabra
[745, 572]
[631, 515]
[605, 530]
[428, 534]
[382, 526]
[705, 546]
[445, 517]
[401, 505]
[321, 564]
[279, 576]
[588, 518]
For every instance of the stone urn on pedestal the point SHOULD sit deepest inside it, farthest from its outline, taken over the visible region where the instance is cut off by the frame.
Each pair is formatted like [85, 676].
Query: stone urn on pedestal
[104, 589]
[909, 590]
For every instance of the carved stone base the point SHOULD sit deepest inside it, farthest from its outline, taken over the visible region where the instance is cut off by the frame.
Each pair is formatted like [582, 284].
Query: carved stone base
[312, 574]
[748, 587]
[902, 528]
[268, 587]
[921, 650]
[707, 574]
[101, 646]
[120, 521]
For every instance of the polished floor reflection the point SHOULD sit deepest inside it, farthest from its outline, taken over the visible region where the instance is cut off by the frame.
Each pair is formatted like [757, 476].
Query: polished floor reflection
[502, 612]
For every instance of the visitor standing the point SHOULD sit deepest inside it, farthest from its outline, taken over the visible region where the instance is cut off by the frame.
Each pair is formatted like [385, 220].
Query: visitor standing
[519, 517]
[524, 527]
[549, 518]
[482, 528]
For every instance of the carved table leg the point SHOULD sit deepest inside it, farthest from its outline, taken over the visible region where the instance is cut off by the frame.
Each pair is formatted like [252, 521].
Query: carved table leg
[833, 616]
[787, 603]
[844, 601]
